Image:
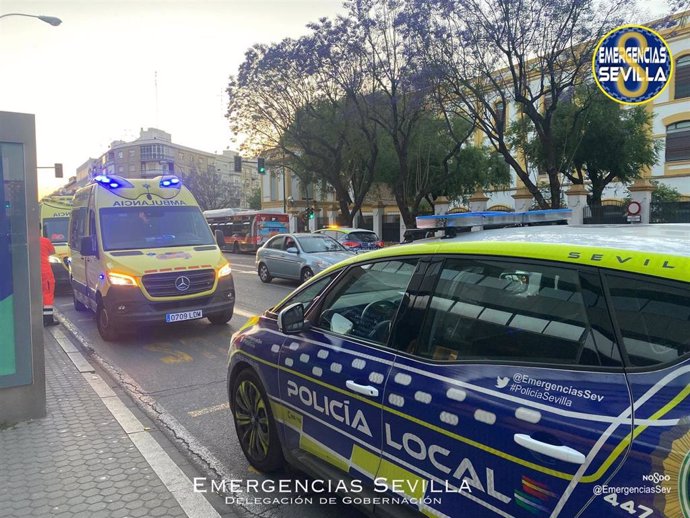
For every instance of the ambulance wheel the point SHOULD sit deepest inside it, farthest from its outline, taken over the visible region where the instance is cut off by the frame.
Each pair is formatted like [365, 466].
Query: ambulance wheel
[105, 327]
[219, 319]
[78, 305]
[254, 423]
[264, 274]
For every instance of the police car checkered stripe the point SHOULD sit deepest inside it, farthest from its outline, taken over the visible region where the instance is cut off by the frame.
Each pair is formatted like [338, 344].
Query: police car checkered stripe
[368, 447]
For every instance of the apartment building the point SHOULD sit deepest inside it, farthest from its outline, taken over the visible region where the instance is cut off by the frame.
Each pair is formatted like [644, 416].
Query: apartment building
[154, 153]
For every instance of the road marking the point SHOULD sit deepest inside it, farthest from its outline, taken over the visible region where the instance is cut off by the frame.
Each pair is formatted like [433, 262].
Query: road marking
[235, 270]
[173, 356]
[209, 410]
[244, 313]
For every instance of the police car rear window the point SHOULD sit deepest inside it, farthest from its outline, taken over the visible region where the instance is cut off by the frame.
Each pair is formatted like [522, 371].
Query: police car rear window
[654, 319]
[490, 310]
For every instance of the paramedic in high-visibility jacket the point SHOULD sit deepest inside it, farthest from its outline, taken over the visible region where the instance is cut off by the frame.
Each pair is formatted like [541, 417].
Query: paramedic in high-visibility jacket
[47, 282]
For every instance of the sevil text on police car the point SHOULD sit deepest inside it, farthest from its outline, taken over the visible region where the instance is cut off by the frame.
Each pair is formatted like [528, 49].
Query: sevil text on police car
[517, 372]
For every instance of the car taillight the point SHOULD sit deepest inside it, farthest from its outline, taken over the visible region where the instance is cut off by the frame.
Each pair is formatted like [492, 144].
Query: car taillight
[379, 244]
[351, 244]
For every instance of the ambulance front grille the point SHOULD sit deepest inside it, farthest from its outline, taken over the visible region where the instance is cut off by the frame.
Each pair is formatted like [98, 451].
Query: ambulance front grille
[173, 284]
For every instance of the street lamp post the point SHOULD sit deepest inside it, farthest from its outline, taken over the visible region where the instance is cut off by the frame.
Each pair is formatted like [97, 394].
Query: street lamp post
[52, 20]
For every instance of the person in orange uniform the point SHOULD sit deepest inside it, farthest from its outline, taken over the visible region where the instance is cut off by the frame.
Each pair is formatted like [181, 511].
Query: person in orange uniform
[48, 282]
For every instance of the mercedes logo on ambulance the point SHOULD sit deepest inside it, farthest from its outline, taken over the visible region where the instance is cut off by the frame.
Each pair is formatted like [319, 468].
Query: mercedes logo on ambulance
[182, 283]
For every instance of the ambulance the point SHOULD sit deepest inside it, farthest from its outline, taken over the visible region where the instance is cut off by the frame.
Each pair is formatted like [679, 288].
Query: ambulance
[55, 212]
[142, 253]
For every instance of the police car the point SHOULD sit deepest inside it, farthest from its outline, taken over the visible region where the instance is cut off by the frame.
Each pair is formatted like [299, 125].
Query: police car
[517, 372]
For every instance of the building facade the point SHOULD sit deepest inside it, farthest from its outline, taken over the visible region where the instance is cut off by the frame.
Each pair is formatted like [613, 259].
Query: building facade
[154, 154]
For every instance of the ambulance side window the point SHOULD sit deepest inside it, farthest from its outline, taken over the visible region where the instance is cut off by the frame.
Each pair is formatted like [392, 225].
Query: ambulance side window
[77, 227]
[508, 311]
[653, 317]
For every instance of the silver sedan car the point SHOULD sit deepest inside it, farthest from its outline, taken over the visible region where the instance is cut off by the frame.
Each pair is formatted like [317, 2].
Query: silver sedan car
[298, 256]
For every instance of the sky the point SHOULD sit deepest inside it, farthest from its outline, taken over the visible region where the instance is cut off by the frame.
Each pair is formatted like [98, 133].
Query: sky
[114, 67]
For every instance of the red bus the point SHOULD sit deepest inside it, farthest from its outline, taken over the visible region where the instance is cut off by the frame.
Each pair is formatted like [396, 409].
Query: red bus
[246, 230]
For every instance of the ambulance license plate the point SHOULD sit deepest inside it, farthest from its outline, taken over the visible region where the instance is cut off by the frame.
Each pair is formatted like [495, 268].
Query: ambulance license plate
[184, 315]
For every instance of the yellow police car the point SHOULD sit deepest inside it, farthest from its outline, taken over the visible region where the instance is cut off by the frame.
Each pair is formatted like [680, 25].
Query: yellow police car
[517, 372]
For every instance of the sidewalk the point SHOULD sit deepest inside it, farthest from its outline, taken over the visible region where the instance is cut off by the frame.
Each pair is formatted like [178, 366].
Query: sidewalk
[80, 460]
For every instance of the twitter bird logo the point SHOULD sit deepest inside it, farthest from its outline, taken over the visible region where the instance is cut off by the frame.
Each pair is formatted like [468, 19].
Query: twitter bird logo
[501, 382]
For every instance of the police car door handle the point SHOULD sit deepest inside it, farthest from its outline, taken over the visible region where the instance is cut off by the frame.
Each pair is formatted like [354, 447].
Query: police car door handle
[367, 390]
[563, 453]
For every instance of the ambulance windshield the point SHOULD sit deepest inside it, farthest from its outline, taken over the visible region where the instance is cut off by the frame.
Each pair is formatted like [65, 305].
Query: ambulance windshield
[126, 228]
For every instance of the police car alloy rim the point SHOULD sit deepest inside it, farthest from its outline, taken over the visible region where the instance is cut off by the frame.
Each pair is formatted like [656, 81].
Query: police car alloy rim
[251, 419]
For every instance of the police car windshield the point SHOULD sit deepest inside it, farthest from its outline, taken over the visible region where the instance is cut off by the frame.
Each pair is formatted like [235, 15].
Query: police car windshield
[124, 228]
[55, 229]
[316, 244]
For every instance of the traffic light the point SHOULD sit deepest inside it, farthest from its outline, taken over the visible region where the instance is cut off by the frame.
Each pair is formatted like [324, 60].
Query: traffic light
[58, 170]
[261, 165]
[238, 164]
[310, 213]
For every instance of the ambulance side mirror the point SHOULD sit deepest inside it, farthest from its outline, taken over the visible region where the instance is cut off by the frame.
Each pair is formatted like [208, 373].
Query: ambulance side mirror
[87, 246]
[220, 239]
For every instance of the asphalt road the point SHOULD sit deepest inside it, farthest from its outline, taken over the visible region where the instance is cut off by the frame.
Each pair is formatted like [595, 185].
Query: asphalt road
[182, 367]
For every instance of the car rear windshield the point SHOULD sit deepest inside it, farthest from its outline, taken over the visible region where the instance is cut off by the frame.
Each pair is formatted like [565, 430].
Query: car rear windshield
[55, 229]
[315, 244]
[124, 228]
[364, 237]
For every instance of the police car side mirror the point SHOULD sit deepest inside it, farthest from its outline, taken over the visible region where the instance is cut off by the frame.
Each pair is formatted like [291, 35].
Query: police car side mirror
[87, 246]
[291, 319]
[220, 238]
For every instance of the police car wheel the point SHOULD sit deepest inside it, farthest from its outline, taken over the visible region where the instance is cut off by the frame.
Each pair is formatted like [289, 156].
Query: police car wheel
[254, 423]
[220, 318]
[105, 327]
[264, 274]
[307, 274]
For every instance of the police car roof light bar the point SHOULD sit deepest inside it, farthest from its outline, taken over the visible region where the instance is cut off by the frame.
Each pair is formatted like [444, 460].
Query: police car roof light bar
[465, 221]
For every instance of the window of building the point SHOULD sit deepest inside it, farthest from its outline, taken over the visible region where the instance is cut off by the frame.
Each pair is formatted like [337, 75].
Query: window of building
[682, 77]
[654, 319]
[500, 311]
[678, 141]
[120, 154]
[500, 109]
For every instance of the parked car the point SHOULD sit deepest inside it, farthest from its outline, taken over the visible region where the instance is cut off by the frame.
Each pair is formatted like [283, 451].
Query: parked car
[298, 256]
[354, 239]
[514, 372]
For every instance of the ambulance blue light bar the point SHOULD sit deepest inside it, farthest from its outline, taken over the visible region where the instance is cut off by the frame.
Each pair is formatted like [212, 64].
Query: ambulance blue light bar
[170, 180]
[492, 219]
[112, 181]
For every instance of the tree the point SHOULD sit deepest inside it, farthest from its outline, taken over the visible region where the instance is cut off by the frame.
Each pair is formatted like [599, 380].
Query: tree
[211, 189]
[254, 199]
[289, 98]
[594, 141]
[487, 54]
[400, 91]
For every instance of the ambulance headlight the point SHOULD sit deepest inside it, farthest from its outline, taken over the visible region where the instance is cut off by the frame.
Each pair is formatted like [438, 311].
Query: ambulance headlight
[120, 279]
[224, 271]
[55, 259]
